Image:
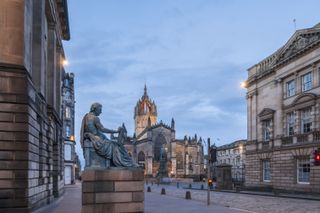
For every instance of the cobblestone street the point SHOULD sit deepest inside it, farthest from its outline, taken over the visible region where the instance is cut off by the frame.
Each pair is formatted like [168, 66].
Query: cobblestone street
[251, 203]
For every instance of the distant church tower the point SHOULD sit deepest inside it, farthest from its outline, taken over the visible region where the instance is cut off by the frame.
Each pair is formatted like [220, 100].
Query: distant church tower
[145, 113]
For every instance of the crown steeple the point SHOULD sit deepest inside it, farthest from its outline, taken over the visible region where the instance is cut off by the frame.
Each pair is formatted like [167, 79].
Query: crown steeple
[145, 109]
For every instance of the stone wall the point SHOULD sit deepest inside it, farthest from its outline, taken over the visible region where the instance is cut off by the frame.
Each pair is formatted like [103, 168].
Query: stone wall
[31, 154]
[283, 164]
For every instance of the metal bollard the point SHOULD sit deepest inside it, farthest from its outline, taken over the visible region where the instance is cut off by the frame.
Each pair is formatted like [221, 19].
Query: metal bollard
[163, 191]
[177, 184]
[149, 189]
[188, 195]
[190, 186]
[202, 187]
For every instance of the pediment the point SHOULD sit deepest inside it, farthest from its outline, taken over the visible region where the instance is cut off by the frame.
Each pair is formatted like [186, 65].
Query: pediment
[302, 101]
[300, 41]
[266, 112]
[304, 98]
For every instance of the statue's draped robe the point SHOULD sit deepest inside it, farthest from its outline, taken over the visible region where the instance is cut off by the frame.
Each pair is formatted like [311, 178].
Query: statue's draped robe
[110, 149]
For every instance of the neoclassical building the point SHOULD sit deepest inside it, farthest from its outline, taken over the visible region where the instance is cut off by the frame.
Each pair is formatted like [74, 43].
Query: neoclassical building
[155, 142]
[283, 104]
[31, 121]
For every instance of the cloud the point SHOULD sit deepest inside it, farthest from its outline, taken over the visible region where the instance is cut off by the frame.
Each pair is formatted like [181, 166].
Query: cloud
[192, 55]
[205, 109]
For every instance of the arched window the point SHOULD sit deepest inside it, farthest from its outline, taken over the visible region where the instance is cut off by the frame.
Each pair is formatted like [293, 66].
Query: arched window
[179, 160]
[141, 157]
[190, 163]
[160, 140]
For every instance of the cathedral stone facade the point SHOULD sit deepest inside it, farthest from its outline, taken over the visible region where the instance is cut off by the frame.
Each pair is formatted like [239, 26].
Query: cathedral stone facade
[283, 103]
[154, 145]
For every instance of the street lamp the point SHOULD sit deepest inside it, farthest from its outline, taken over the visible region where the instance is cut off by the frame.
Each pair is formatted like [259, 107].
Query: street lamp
[244, 84]
[65, 62]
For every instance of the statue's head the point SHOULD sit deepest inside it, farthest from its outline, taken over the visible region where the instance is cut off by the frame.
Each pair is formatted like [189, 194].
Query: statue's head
[96, 108]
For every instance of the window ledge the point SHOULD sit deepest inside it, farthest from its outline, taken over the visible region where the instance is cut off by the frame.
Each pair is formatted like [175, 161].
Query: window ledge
[304, 183]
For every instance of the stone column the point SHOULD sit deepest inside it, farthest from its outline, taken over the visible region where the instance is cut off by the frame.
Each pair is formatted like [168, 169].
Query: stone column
[38, 47]
[249, 117]
[51, 67]
[112, 190]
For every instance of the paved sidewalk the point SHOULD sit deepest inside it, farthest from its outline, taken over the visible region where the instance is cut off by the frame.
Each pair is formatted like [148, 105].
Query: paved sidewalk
[69, 203]
[154, 203]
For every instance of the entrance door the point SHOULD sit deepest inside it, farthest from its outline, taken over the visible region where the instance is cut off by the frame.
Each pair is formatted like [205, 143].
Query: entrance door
[67, 175]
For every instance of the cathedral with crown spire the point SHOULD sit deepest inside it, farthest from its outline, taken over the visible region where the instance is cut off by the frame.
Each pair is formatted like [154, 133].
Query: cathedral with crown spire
[155, 147]
[145, 113]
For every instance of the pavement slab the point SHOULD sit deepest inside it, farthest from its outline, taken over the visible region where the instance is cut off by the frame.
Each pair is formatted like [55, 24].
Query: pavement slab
[174, 202]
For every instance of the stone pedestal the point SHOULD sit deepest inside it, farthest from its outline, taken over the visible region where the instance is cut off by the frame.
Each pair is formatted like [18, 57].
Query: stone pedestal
[112, 190]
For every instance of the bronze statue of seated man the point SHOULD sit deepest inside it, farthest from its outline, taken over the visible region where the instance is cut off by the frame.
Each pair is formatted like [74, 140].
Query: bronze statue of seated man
[99, 151]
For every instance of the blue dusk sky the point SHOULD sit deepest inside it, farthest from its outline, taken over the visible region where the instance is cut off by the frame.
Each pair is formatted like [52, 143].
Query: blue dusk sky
[192, 54]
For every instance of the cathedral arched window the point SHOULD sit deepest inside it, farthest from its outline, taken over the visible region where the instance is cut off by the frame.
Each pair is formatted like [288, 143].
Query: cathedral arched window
[179, 160]
[160, 140]
[141, 157]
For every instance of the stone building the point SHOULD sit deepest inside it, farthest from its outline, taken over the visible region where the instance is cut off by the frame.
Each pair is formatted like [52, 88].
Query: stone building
[68, 106]
[283, 103]
[233, 154]
[31, 144]
[155, 146]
